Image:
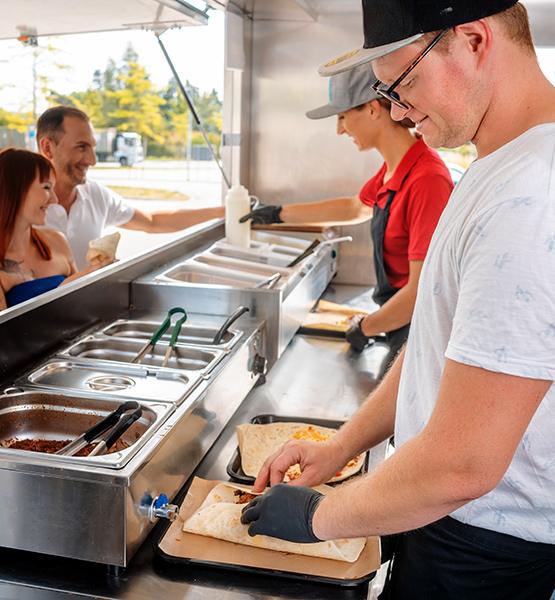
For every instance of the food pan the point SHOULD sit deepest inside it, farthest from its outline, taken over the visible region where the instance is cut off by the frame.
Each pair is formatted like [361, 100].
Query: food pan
[192, 272]
[190, 334]
[183, 358]
[280, 258]
[27, 414]
[234, 469]
[129, 381]
[278, 240]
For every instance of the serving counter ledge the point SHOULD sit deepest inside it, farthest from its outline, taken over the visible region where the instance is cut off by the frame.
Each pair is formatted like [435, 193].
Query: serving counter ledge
[317, 377]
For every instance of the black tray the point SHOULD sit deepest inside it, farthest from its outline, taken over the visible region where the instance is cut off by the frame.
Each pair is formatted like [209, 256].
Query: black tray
[320, 332]
[234, 469]
[176, 562]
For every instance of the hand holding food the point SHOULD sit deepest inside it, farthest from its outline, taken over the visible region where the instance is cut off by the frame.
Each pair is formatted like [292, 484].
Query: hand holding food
[317, 463]
[103, 248]
[220, 516]
[354, 319]
[284, 512]
[356, 338]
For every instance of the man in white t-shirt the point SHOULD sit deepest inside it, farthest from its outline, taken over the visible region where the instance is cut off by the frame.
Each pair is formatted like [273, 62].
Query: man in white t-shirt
[467, 501]
[65, 135]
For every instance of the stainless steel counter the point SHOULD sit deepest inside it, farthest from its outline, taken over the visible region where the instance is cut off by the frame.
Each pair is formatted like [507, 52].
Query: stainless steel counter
[314, 377]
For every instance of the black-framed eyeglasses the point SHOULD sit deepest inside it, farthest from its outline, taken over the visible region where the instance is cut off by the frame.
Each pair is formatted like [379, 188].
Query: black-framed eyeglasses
[388, 93]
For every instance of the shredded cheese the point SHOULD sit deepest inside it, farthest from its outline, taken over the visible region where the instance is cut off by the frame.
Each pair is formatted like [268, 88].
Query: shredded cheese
[311, 435]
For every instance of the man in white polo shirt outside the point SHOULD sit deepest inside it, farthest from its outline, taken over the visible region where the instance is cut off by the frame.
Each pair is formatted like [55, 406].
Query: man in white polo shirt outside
[65, 135]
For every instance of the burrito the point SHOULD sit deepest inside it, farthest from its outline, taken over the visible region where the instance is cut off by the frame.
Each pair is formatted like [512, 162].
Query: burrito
[257, 442]
[219, 517]
[103, 248]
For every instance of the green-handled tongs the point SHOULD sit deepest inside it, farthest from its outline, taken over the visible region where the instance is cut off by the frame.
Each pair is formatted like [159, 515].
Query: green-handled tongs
[160, 332]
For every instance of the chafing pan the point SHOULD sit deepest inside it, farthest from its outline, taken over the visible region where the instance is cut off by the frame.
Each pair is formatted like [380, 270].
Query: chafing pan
[190, 334]
[187, 358]
[30, 414]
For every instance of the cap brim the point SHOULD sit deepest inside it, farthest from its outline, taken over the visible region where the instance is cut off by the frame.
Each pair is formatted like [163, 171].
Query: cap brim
[324, 111]
[361, 55]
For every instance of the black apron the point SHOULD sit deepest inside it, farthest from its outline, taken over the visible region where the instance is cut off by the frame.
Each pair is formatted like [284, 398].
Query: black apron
[384, 290]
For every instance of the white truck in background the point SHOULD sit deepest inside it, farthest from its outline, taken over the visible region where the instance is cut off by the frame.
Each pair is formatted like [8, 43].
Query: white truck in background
[125, 147]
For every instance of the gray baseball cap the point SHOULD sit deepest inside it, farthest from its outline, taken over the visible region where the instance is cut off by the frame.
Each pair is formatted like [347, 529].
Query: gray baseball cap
[347, 90]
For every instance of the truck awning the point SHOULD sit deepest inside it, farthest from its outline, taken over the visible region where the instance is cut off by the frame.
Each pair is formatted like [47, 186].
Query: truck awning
[33, 18]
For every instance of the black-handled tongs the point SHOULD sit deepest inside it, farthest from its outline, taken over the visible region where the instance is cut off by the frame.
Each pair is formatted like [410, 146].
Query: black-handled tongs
[218, 338]
[316, 244]
[116, 432]
[99, 428]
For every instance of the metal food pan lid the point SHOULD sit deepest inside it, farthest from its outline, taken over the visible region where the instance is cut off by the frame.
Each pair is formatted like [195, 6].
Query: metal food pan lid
[129, 381]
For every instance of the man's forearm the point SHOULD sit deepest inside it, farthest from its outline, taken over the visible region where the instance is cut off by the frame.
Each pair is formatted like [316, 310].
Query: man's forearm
[461, 454]
[167, 221]
[374, 421]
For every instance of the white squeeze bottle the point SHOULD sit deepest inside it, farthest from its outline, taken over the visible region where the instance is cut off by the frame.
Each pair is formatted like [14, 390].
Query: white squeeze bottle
[237, 205]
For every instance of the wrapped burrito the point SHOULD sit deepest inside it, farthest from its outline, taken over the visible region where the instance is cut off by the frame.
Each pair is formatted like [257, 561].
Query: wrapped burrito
[103, 248]
[257, 442]
[219, 517]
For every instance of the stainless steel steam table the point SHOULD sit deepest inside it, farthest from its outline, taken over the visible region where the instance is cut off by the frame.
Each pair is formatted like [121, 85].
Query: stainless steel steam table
[315, 376]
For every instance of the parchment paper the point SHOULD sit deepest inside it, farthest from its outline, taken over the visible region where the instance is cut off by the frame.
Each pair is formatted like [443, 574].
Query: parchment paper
[190, 547]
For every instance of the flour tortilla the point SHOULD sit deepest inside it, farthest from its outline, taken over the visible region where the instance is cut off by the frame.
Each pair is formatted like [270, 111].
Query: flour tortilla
[219, 517]
[258, 442]
[331, 316]
[103, 248]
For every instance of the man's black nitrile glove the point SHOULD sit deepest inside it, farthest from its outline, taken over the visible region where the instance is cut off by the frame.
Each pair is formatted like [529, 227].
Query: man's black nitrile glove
[265, 213]
[285, 512]
[356, 338]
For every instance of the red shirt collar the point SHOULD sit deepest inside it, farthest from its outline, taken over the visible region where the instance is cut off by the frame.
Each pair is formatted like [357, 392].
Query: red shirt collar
[406, 164]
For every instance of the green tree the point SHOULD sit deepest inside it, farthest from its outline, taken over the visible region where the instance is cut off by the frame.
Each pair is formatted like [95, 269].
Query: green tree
[123, 96]
[137, 102]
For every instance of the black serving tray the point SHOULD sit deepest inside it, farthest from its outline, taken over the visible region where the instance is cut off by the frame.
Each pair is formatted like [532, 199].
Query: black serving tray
[321, 332]
[234, 469]
[178, 563]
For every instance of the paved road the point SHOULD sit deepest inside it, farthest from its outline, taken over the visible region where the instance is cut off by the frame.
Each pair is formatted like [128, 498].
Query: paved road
[201, 182]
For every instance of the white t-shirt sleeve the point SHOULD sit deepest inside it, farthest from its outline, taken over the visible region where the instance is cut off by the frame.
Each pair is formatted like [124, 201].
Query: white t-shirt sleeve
[506, 301]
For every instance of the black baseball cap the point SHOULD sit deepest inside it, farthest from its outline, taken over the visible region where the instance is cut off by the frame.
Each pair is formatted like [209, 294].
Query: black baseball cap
[392, 24]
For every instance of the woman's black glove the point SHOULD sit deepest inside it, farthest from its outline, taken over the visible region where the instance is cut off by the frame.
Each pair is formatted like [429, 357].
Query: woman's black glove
[265, 213]
[285, 512]
[356, 338]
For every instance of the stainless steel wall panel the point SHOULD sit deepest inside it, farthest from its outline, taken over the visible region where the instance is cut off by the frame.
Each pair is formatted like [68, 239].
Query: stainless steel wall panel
[293, 159]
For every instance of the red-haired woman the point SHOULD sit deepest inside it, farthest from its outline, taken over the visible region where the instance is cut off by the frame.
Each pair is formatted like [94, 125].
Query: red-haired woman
[32, 261]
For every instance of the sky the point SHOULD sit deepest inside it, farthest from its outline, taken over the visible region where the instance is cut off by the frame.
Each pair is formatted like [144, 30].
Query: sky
[196, 52]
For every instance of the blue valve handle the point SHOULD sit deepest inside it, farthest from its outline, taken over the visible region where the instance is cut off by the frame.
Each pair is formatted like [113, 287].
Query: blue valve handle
[160, 501]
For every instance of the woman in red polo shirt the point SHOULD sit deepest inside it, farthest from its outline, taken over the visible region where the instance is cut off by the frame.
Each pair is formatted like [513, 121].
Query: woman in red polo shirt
[404, 200]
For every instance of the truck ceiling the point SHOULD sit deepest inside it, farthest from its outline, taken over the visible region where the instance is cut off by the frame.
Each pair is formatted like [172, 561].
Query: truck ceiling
[32, 18]
[62, 17]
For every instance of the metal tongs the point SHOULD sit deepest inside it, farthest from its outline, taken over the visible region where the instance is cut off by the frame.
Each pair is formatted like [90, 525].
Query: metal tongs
[117, 431]
[316, 244]
[269, 282]
[160, 332]
[117, 420]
